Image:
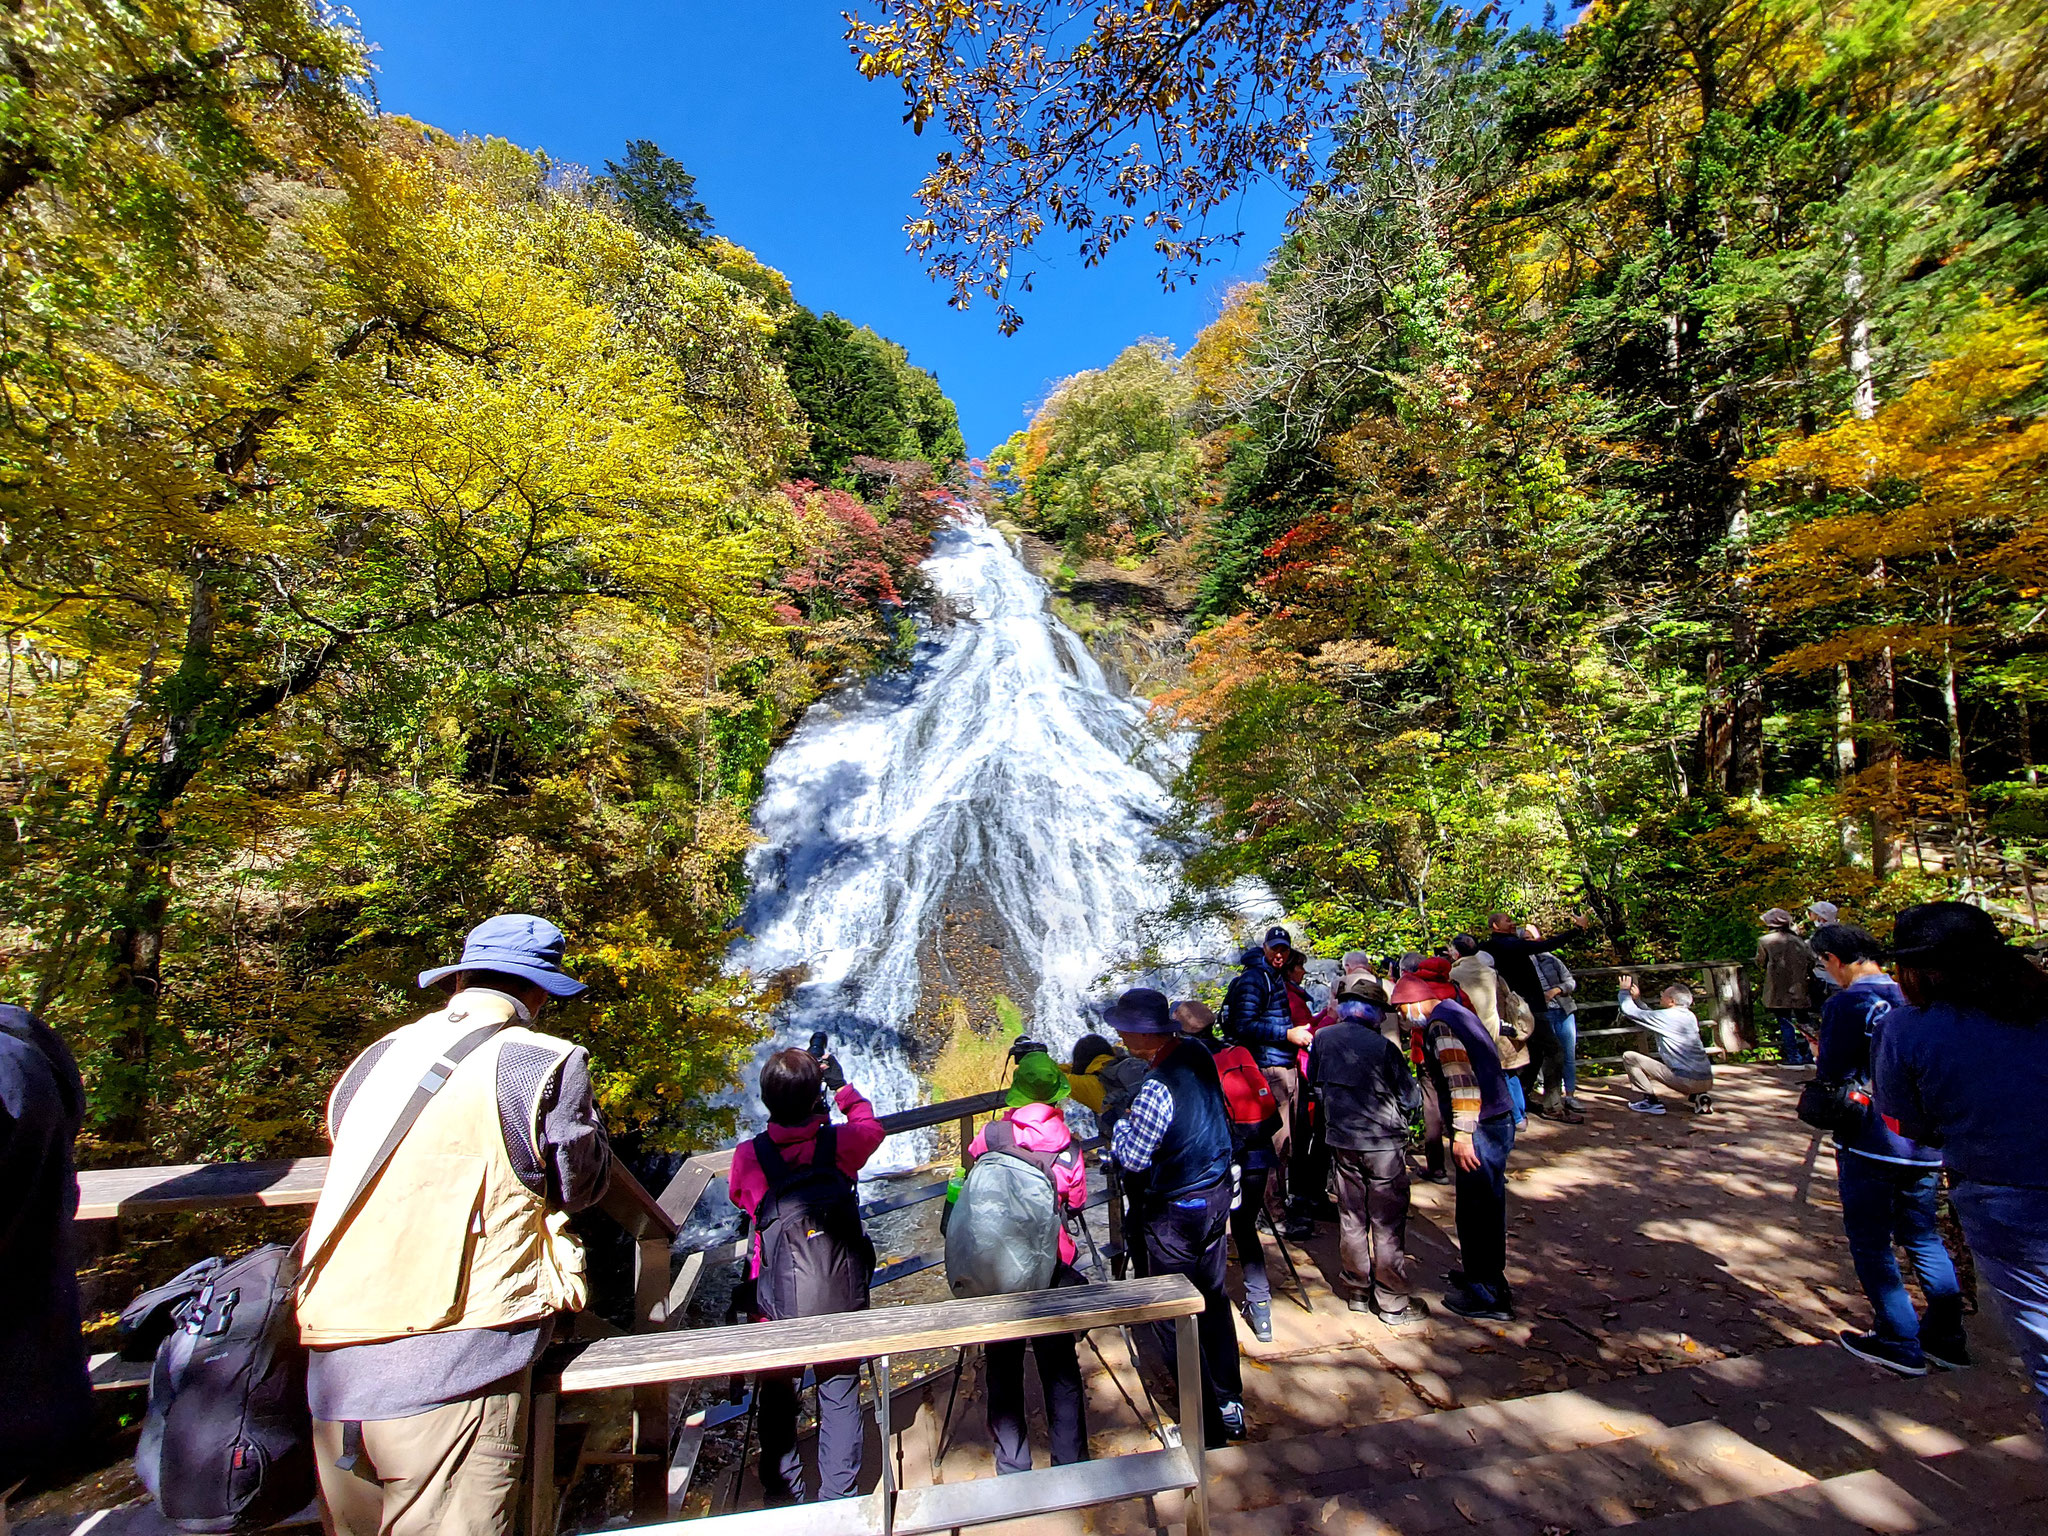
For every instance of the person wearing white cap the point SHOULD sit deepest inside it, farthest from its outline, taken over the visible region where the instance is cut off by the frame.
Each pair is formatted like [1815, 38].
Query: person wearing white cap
[1824, 914]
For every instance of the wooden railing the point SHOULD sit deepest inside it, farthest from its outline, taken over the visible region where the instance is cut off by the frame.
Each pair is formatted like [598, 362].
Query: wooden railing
[642, 1364]
[663, 1284]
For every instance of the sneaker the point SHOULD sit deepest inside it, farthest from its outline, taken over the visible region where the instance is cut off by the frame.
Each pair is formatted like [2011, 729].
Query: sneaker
[1574, 1105]
[1258, 1316]
[1441, 1176]
[1233, 1420]
[1703, 1103]
[1299, 1229]
[1647, 1107]
[1893, 1357]
[1415, 1310]
[1362, 1304]
[1950, 1357]
[1468, 1303]
[1560, 1111]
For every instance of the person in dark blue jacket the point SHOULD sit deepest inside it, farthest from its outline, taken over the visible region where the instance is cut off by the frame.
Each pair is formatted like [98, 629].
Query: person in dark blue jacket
[1174, 1148]
[1890, 1186]
[1256, 1016]
[1964, 1067]
[45, 1395]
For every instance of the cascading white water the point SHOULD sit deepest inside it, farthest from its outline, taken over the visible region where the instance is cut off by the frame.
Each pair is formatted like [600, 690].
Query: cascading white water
[1000, 763]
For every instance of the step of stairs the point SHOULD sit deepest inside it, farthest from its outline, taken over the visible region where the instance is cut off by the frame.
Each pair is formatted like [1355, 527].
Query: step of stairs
[1804, 1438]
[2000, 1489]
[1622, 1481]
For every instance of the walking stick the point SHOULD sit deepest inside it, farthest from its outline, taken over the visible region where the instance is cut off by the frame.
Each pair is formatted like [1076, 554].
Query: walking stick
[1299, 1284]
[1158, 1424]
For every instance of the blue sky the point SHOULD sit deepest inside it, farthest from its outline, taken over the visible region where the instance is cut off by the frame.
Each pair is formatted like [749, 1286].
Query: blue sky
[798, 158]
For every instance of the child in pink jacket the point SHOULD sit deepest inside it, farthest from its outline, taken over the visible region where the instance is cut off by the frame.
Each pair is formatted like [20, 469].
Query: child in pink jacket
[1036, 1090]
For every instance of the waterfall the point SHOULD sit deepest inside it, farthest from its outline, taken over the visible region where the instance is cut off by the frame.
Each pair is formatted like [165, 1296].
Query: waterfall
[999, 775]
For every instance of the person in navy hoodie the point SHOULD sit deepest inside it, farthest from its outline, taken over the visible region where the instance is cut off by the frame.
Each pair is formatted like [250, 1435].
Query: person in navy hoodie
[1964, 1067]
[1890, 1186]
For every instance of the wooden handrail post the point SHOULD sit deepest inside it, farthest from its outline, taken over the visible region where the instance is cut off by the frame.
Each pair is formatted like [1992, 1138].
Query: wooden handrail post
[540, 1465]
[1194, 1434]
[966, 1130]
[650, 1403]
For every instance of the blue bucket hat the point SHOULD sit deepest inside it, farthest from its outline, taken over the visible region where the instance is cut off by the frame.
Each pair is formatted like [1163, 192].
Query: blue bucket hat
[527, 947]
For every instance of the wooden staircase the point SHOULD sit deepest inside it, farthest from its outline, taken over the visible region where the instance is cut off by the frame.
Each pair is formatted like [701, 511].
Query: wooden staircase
[1806, 1440]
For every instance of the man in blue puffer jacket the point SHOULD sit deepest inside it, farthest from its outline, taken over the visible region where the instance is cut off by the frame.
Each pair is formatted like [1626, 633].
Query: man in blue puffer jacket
[1255, 1016]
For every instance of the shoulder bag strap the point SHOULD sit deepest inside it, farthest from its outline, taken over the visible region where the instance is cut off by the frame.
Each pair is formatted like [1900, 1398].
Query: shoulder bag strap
[435, 1079]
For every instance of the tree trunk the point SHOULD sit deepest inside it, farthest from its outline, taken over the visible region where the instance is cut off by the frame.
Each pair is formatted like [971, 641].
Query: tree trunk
[2027, 745]
[1717, 728]
[1850, 832]
[134, 991]
[1882, 706]
[1746, 763]
[1856, 335]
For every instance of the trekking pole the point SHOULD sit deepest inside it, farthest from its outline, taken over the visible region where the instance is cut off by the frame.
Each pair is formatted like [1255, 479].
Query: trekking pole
[1158, 1424]
[739, 1471]
[946, 1421]
[1287, 1254]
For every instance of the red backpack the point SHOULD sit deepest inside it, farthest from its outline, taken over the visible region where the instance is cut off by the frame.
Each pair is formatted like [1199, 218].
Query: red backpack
[1245, 1089]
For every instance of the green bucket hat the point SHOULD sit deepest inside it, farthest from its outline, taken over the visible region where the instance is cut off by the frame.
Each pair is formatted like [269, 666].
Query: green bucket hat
[1038, 1080]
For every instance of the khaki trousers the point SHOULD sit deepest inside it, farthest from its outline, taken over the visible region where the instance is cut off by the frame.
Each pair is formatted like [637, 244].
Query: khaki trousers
[451, 1471]
[1286, 1085]
[1646, 1074]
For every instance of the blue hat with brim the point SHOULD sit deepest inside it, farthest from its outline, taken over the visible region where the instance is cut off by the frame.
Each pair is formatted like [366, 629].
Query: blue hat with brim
[1142, 1011]
[516, 945]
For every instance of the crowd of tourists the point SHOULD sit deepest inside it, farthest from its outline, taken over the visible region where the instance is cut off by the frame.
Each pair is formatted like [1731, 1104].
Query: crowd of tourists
[438, 1261]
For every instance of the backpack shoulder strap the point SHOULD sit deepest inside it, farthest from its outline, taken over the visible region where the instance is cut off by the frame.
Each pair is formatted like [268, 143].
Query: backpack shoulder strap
[435, 1079]
[1001, 1136]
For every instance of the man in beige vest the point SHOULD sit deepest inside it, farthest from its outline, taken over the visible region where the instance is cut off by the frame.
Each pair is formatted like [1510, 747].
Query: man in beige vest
[426, 1312]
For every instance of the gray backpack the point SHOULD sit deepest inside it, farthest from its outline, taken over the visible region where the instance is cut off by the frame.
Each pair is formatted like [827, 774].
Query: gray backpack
[1003, 1233]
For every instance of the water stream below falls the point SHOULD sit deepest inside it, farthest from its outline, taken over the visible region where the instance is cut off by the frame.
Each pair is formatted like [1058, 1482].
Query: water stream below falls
[985, 820]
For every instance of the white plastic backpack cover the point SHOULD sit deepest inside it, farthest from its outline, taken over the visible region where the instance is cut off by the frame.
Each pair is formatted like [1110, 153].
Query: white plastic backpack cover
[1004, 1231]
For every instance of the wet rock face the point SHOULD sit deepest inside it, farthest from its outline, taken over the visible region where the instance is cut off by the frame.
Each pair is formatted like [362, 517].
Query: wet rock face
[984, 821]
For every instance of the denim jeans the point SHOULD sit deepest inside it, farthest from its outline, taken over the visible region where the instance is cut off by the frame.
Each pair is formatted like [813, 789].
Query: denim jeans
[1792, 1046]
[1565, 1025]
[2007, 1229]
[1887, 1202]
[1520, 1098]
[1483, 1212]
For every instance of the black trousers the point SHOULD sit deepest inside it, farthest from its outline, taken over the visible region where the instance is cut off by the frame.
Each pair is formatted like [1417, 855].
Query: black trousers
[1066, 1407]
[1185, 1237]
[1483, 1212]
[1546, 1058]
[1244, 1230]
[842, 1429]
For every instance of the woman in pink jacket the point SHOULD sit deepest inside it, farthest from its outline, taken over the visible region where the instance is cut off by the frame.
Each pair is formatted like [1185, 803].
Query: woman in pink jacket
[793, 1086]
[1040, 1127]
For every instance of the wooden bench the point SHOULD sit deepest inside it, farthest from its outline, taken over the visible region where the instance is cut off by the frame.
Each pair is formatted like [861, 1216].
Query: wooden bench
[644, 1361]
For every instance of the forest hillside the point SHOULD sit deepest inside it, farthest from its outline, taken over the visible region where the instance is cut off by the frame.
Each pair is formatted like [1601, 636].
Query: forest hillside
[1627, 488]
[399, 528]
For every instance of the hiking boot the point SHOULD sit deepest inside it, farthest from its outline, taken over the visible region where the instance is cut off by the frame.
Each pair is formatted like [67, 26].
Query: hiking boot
[1647, 1107]
[1559, 1110]
[1904, 1359]
[1258, 1316]
[1299, 1229]
[1467, 1302]
[1703, 1103]
[1571, 1103]
[1437, 1176]
[1233, 1420]
[1950, 1355]
[1362, 1304]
